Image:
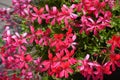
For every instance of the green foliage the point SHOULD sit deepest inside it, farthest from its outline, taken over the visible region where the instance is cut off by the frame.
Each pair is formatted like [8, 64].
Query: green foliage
[1, 42]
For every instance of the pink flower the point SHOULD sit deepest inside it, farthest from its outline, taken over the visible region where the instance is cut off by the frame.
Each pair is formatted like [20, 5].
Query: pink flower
[28, 58]
[40, 37]
[16, 61]
[62, 58]
[38, 14]
[20, 40]
[26, 74]
[5, 14]
[95, 26]
[41, 66]
[7, 35]
[21, 60]
[44, 39]
[14, 43]
[111, 3]
[70, 39]
[106, 18]
[83, 25]
[67, 14]
[93, 6]
[52, 14]
[34, 35]
[78, 7]
[5, 77]
[88, 24]
[21, 6]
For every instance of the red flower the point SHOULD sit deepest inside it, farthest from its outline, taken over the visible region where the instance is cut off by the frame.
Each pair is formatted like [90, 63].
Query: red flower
[106, 68]
[66, 69]
[60, 64]
[60, 43]
[90, 69]
[115, 60]
[58, 36]
[14, 77]
[115, 42]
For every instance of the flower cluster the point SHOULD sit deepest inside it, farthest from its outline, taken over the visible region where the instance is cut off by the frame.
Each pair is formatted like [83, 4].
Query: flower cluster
[59, 42]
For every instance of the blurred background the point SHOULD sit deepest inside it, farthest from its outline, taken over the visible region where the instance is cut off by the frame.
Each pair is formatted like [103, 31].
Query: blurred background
[4, 4]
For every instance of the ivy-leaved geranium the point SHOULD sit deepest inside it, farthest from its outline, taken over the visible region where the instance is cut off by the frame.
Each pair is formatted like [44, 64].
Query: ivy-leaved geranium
[51, 40]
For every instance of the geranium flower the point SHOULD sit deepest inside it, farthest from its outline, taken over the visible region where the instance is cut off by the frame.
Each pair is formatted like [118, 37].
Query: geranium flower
[52, 14]
[90, 69]
[5, 14]
[93, 6]
[7, 35]
[67, 14]
[66, 70]
[114, 42]
[60, 63]
[106, 68]
[44, 39]
[88, 24]
[95, 26]
[41, 66]
[14, 77]
[20, 40]
[21, 6]
[38, 14]
[111, 3]
[115, 61]
[34, 35]
[57, 40]
[26, 74]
